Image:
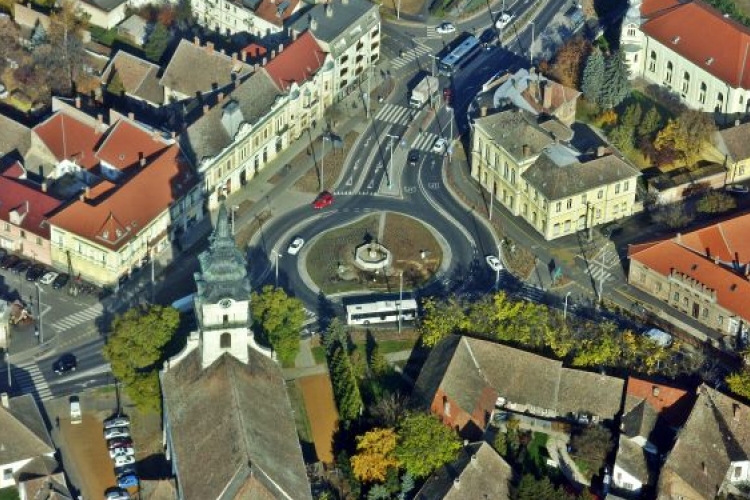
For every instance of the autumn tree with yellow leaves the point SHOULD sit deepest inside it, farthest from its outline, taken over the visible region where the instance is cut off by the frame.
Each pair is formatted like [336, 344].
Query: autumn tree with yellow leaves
[375, 455]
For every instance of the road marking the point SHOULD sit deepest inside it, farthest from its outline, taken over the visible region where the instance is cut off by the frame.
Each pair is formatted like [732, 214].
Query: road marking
[410, 189]
[393, 113]
[425, 142]
[78, 318]
[411, 55]
[29, 379]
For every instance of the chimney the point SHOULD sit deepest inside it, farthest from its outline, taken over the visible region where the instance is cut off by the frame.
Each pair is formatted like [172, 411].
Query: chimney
[547, 95]
[142, 159]
[329, 10]
[131, 116]
[100, 119]
[655, 390]
[206, 107]
[222, 52]
[210, 46]
[313, 24]
[221, 96]
[600, 150]
[78, 102]
[294, 35]
[483, 111]
[197, 41]
[273, 54]
[474, 460]
[526, 150]
[263, 63]
[234, 56]
[4, 399]
[456, 483]
[174, 134]
[703, 466]
[281, 48]
[44, 186]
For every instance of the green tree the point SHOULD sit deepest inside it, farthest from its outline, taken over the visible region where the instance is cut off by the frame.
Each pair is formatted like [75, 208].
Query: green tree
[344, 382]
[407, 485]
[531, 488]
[739, 383]
[157, 43]
[38, 35]
[378, 492]
[425, 444]
[631, 117]
[593, 77]
[623, 137]
[591, 446]
[278, 318]
[650, 124]
[135, 346]
[376, 361]
[617, 83]
[715, 202]
[440, 319]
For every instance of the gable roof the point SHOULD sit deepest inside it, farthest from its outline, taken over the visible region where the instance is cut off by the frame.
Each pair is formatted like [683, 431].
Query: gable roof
[67, 138]
[193, 69]
[515, 130]
[682, 27]
[671, 403]
[527, 90]
[34, 205]
[250, 440]
[463, 367]
[735, 141]
[716, 434]
[634, 459]
[479, 472]
[276, 11]
[126, 143]
[22, 431]
[297, 63]
[138, 76]
[329, 22]
[726, 240]
[14, 137]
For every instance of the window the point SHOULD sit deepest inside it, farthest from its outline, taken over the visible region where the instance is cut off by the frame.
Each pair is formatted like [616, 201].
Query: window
[721, 320]
[652, 62]
[226, 319]
[569, 204]
[600, 194]
[7, 474]
[6, 227]
[567, 226]
[685, 83]
[737, 472]
[558, 207]
[705, 312]
[626, 186]
[668, 73]
[598, 213]
[617, 188]
[583, 199]
[719, 102]
[685, 301]
[631, 30]
[702, 93]
[677, 296]
[23, 234]
[225, 341]
[556, 229]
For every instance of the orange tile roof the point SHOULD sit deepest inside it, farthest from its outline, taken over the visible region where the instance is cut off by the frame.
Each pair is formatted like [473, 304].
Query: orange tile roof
[125, 144]
[727, 240]
[672, 403]
[297, 63]
[113, 218]
[69, 139]
[255, 50]
[268, 10]
[701, 34]
[15, 194]
[731, 289]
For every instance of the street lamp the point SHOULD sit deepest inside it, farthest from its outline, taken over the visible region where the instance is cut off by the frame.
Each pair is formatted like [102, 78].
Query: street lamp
[276, 256]
[390, 161]
[531, 45]
[565, 307]
[326, 137]
[39, 311]
[497, 272]
[400, 297]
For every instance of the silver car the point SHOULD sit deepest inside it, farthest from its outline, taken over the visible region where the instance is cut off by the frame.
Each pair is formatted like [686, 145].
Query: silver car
[116, 432]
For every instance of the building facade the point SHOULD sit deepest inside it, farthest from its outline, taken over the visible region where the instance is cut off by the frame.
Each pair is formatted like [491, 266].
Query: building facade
[257, 17]
[691, 49]
[734, 145]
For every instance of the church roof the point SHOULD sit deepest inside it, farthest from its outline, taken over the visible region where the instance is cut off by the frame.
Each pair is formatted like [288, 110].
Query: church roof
[223, 272]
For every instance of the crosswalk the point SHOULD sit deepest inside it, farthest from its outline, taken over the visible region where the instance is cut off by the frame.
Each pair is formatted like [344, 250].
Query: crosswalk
[393, 113]
[531, 293]
[78, 318]
[28, 379]
[425, 141]
[600, 267]
[410, 55]
[432, 32]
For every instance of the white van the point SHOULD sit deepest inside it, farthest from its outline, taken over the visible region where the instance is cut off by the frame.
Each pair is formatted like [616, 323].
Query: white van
[75, 410]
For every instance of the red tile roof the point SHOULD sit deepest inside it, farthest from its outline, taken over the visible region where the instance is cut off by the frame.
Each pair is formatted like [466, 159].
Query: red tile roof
[701, 34]
[297, 63]
[672, 403]
[255, 50]
[111, 217]
[18, 195]
[14, 171]
[268, 10]
[727, 240]
[125, 144]
[69, 139]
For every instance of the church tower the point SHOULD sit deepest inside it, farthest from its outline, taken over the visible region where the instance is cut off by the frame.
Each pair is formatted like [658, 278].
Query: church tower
[222, 301]
[632, 39]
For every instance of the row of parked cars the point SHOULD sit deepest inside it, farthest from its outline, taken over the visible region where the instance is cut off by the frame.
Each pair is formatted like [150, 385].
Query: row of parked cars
[120, 446]
[34, 272]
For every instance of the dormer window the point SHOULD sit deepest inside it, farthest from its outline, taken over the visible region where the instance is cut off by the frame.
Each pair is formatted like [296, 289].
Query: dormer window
[105, 235]
[709, 61]
[676, 40]
[118, 233]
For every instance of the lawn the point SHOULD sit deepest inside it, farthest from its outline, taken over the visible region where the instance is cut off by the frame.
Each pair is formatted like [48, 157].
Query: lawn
[10, 493]
[537, 452]
[332, 165]
[386, 347]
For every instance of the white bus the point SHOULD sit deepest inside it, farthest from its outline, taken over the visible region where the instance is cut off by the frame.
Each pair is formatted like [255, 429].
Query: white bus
[381, 311]
[462, 53]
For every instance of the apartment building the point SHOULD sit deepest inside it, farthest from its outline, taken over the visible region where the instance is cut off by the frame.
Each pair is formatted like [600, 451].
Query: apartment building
[257, 17]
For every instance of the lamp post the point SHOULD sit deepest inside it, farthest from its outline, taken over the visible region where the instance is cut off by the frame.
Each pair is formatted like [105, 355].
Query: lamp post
[276, 256]
[531, 45]
[565, 307]
[39, 312]
[400, 297]
[390, 161]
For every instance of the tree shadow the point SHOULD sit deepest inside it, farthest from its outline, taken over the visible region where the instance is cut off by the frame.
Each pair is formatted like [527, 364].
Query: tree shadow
[326, 312]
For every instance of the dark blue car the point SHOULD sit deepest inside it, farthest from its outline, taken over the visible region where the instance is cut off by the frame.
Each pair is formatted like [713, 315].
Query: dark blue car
[127, 481]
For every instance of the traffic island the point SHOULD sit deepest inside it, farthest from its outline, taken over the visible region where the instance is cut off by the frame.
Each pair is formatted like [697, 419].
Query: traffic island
[402, 247]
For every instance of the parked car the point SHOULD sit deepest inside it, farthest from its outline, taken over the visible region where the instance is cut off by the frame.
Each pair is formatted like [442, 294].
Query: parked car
[48, 278]
[295, 246]
[21, 266]
[35, 272]
[116, 494]
[445, 28]
[125, 470]
[736, 189]
[413, 157]
[494, 263]
[61, 280]
[127, 481]
[65, 363]
[118, 421]
[504, 20]
[116, 432]
[440, 145]
[122, 460]
[120, 443]
[9, 261]
[323, 200]
[116, 452]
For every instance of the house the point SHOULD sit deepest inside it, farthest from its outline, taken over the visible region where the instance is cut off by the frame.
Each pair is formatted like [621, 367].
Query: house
[734, 145]
[15, 140]
[103, 13]
[537, 94]
[710, 455]
[464, 379]
[479, 472]
[260, 18]
[25, 210]
[135, 28]
[691, 49]
[522, 160]
[683, 182]
[181, 80]
[27, 19]
[134, 77]
[42, 479]
[133, 191]
[651, 415]
[23, 435]
[703, 274]
[250, 439]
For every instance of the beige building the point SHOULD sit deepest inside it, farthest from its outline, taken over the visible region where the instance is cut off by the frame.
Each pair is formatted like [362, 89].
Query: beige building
[257, 17]
[734, 144]
[523, 162]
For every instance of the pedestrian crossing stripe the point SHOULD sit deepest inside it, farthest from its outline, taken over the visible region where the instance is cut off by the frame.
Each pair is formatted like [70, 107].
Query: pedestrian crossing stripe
[29, 379]
[425, 141]
[393, 113]
[410, 55]
[78, 318]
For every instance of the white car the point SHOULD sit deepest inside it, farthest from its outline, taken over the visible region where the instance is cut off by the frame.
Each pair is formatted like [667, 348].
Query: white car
[118, 421]
[295, 246]
[494, 263]
[736, 189]
[121, 452]
[48, 278]
[122, 460]
[504, 20]
[445, 28]
[440, 145]
[116, 432]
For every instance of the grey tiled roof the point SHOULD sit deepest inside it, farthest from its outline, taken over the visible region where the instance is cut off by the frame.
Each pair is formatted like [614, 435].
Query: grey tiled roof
[23, 434]
[106, 5]
[633, 459]
[343, 16]
[14, 137]
[639, 418]
[138, 76]
[480, 471]
[582, 391]
[737, 141]
[233, 430]
[207, 136]
[560, 181]
[512, 129]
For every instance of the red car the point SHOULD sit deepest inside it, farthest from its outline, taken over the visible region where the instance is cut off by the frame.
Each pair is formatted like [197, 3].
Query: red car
[323, 200]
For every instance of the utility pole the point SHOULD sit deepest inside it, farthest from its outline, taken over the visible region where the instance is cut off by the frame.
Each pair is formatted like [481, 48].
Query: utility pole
[390, 161]
[531, 46]
[276, 265]
[400, 297]
[39, 312]
[398, 10]
[565, 307]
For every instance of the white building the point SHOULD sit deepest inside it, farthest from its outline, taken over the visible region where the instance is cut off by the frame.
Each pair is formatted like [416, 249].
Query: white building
[693, 50]
[257, 17]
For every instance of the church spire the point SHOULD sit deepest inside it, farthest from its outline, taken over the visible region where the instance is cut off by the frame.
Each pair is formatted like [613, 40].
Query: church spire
[223, 229]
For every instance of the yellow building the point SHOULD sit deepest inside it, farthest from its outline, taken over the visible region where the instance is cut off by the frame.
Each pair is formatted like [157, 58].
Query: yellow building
[734, 145]
[525, 164]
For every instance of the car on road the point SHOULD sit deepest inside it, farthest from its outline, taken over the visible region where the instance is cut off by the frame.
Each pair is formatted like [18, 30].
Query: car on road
[413, 157]
[9, 261]
[295, 246]
[61, 280]
[494, 263]
[440, 145]
[736, 189]
[115, 452]
[48, 278]
[123, 460]
[118, 421]
[65, 363]
[35, 272]
[119, 443]
[445, 28]
[127, 481]
[116, 432]
[21, 266]
[447, 95]
[323, 200]
[504, 20]
[116, 494]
